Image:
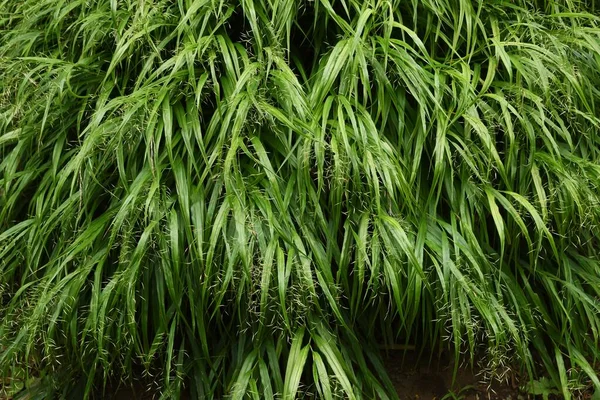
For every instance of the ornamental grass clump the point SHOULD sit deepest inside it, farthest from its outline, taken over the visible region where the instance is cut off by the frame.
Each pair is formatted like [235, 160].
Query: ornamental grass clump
[248, 199]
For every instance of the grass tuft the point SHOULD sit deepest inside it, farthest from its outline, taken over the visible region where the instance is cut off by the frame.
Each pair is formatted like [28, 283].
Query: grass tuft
[247, 199]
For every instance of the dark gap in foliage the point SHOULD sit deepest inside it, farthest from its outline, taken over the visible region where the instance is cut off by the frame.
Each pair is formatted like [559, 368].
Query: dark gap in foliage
[238, 30]
[311, 38]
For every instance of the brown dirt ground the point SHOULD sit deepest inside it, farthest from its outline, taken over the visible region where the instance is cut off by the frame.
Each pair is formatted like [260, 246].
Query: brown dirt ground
[422, 379]
[413, 379]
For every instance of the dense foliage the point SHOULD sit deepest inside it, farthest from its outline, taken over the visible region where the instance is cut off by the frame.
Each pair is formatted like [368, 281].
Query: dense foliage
[248, 198]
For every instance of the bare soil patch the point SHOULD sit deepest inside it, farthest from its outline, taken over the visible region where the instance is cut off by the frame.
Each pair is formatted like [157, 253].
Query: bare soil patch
[422, 378]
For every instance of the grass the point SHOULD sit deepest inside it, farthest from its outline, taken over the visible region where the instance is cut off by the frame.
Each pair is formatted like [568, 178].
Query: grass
[247, 199]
